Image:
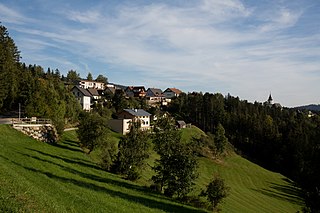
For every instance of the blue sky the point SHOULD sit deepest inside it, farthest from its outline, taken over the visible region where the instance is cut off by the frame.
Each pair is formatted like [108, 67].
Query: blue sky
[246, 48]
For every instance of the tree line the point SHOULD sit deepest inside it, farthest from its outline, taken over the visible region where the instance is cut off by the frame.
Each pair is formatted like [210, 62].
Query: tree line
[281, 139]
[40, 93]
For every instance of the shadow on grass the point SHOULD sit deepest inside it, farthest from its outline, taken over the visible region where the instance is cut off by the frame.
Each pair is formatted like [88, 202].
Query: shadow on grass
[288, 192]
[71, 143]
[93, 177]
[68, 147]
[68, 160]
[151, 203]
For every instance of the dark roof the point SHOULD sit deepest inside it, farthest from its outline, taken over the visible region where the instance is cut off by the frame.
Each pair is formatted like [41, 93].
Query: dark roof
[136, 88]
[83, 91]
[155, 91]
[118, 86]
[110, 90]
[93, 92]
[137, 112]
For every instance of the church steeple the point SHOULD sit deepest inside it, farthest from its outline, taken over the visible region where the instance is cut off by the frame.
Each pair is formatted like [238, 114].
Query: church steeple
[270, 99]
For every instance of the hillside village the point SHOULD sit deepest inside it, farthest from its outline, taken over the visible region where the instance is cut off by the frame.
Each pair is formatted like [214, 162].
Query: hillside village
[89, 92]
[282, 140]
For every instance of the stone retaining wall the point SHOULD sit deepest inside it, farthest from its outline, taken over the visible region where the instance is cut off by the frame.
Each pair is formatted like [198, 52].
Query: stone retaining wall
[42, 132]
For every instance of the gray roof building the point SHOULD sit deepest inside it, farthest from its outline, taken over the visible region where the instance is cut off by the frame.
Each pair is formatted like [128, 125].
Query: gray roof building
[83, 91]
[137, 112]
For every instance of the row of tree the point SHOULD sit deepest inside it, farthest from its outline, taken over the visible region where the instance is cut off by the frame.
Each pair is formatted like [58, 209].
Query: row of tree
[176, 168]
[282, 139]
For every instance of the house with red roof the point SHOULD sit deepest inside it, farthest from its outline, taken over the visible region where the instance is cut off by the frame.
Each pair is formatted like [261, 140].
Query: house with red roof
[171, 92]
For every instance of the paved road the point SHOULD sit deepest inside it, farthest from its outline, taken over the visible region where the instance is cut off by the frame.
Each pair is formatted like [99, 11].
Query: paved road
[5, 120]
[69, 129]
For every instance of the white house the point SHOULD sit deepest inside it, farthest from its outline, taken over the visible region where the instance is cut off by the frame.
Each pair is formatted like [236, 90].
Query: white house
[126, 117]
[154, 96]
[91, 84]
[83, 96]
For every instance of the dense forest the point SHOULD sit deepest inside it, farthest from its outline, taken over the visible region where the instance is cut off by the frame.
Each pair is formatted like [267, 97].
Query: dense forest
[281, 139]
[30, 86]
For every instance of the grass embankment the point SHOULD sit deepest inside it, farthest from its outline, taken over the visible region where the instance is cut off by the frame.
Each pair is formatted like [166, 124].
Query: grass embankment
[40, 177]
[252, 188]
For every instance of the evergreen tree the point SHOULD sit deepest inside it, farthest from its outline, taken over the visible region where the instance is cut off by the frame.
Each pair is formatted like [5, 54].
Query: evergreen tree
[9, 72]
[119, 100]
[89, 77]
[220, 139]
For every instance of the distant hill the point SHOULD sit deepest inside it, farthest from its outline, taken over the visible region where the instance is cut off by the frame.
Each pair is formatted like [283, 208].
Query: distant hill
[311, 107]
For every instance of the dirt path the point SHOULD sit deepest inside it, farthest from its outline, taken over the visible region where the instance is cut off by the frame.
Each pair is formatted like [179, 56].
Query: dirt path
[69, 129]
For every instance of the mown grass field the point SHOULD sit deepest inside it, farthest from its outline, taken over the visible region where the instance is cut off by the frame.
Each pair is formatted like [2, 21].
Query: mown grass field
[38, 177]
[252, 188]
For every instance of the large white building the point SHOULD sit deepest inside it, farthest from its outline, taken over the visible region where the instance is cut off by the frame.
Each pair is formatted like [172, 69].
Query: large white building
[91, 84]
[83, 96]
[126, 117]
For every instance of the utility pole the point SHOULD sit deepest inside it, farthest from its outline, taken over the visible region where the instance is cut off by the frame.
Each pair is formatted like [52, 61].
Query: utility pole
[19, 110]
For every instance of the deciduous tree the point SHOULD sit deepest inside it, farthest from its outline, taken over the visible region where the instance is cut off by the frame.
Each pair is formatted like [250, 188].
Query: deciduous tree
[176, 168]
[134, 149]
[215, 191]
[102, 79]
[73, 76]
[92, 130]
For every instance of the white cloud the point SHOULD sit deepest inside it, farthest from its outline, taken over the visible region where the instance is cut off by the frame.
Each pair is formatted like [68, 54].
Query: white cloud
[208, 46]
[87, 17]
[224, 10]
[280, 19]
[9, 15]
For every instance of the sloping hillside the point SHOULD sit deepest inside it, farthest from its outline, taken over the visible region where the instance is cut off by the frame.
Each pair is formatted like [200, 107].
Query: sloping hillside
[39, 177]
[252, 188]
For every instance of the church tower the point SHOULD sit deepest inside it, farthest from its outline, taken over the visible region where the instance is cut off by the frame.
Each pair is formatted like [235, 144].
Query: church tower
[270, 100]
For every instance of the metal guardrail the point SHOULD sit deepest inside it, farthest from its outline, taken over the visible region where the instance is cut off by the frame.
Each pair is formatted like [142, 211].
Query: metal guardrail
[32, 120]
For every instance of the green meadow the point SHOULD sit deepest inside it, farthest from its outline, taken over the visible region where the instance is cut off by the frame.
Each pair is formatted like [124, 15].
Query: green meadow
[39, 177]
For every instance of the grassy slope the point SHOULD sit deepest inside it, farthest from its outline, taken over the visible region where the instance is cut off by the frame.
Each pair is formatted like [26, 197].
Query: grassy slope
[37, 177]
[41, 177]
[252, 188]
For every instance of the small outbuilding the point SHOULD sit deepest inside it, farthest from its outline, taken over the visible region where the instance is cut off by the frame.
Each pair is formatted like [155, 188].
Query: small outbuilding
[181, 124]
